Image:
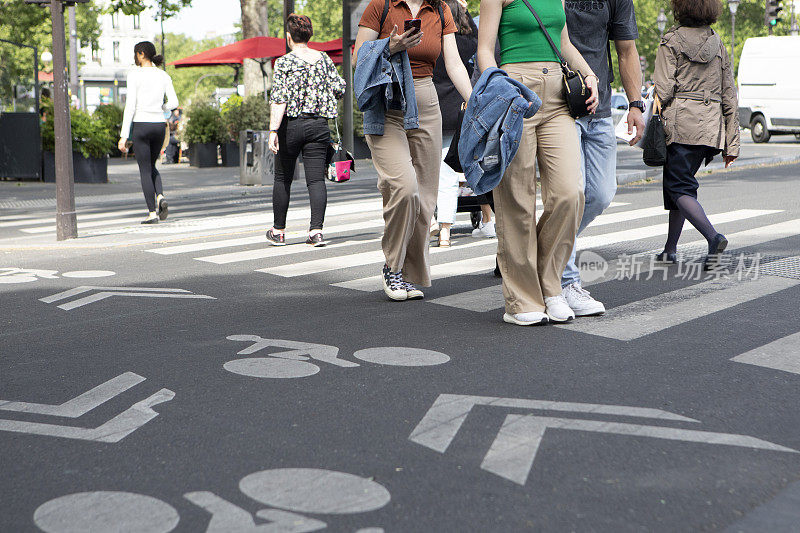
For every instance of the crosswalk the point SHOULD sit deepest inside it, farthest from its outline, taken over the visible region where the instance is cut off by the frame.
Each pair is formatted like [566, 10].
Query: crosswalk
[354, 258]
[230, 237]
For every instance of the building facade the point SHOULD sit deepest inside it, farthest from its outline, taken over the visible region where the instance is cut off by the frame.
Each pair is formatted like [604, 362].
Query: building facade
[106, 64]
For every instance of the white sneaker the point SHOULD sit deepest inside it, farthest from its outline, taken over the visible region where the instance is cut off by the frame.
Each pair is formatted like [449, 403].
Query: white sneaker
[486, 231]
[581, 301]
[526, 319]
[558, 310]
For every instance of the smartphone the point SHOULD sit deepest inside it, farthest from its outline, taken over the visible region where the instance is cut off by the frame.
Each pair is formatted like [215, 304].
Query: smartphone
[412, 24]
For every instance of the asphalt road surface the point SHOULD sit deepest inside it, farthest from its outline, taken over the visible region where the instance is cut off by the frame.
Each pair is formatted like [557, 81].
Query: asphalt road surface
[187, 377]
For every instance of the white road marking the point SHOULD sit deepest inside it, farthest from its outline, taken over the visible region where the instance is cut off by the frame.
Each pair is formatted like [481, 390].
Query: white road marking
[646, 232]
[782, 354]
[82, 404]
[464, 267]
[107, 292]
[399, 356]
[657, 313]
[352, 260]
[104, 511]
[271, 367]
[114, 430]
[88, 274]
[311, 490]
[227, 517]
[626, 216]
[513, 451]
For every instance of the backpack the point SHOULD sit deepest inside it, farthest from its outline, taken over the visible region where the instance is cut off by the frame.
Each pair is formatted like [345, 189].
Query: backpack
[386, 13]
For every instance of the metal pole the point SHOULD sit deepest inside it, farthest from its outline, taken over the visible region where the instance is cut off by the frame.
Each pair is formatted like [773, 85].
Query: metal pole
[73, 52]
[733, 42]
[347, 66]
[36, 107]
[66, 222]
[288, 9]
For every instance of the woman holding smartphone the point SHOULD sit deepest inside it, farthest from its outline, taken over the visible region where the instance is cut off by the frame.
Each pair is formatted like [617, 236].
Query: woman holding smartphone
[408, 161]
[532, 255]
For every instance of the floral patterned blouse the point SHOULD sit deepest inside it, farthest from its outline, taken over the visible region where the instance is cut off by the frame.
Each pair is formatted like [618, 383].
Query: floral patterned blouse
[306, 88]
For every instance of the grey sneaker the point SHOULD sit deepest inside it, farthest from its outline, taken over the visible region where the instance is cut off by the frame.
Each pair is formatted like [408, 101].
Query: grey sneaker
[581, 302]
[316, 240]
[558, 310]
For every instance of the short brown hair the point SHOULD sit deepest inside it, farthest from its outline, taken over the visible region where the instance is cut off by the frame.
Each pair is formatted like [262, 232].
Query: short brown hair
[300, 28]
[696, 13]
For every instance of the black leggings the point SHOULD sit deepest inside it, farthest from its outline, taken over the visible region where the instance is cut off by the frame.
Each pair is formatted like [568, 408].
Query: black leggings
[148, 138]
[310, 136]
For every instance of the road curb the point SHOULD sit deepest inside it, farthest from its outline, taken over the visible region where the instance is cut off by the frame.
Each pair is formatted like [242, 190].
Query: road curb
[626, 178]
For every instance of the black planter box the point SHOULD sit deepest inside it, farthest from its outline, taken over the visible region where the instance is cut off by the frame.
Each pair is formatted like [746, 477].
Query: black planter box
[203, 155]
[86, 170]
[230, 154]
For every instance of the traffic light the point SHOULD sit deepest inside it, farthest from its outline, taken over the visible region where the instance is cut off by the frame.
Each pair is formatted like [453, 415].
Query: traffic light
[771, 14]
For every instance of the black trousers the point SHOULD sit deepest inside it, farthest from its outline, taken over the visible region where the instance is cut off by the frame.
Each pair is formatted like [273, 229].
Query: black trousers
[311, 137]
[148, 138]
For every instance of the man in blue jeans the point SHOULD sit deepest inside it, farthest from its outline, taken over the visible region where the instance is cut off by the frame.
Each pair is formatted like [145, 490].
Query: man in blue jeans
[591, 25]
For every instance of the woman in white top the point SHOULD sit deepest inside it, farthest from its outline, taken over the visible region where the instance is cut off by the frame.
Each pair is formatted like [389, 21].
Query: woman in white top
[144, 123]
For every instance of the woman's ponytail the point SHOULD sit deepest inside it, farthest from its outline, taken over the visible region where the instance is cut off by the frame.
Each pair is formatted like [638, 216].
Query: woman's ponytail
[158, 60]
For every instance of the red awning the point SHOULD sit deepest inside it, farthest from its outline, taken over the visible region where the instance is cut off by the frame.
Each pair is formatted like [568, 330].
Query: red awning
[253, 48]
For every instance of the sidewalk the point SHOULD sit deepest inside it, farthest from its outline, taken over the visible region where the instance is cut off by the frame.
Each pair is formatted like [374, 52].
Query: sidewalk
[185, 182]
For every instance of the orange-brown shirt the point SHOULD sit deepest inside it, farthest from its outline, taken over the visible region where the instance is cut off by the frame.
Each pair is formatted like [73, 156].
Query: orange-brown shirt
[424, 55]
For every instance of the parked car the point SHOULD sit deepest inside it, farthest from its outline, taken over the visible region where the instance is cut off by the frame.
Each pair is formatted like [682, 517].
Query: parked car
[769, 101]
[619, 106]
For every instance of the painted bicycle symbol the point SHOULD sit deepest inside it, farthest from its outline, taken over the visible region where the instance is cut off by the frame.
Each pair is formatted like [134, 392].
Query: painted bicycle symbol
[28, 275]
[295, 360]
[289, 493]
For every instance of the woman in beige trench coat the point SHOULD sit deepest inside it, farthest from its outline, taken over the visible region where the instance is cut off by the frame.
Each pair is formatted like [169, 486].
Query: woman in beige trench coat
[694, 83]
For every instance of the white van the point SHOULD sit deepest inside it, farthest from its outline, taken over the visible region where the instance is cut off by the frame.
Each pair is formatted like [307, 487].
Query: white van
[769, 82]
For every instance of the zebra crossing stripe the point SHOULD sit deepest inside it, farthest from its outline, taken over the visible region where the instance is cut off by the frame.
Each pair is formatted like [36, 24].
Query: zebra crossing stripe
[271, 251]
[626, 216]
[782, 354]
[352, 260]
[464, 267]
[646, 232]
[657, 313]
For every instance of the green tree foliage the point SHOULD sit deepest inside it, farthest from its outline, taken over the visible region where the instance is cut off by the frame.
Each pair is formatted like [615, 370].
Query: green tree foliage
[164, 8]
[92, 135]
[326, 16]
[30, 24]
[178, 46]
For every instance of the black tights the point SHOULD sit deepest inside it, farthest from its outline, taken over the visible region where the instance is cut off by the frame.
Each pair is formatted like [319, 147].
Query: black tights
[148, 138]
[310, 136]
[688, 209]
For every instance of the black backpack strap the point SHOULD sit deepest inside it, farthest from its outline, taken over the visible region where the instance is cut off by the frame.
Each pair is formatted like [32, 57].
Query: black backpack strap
[611, 5]
[441, 17]
[383, 16]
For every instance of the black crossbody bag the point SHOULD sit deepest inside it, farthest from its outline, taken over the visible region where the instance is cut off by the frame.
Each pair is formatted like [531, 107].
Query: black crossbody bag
[576, 91]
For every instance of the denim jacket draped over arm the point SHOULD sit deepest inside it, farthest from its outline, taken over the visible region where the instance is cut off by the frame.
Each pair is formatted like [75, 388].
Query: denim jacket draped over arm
[381, 82]
[492, 127]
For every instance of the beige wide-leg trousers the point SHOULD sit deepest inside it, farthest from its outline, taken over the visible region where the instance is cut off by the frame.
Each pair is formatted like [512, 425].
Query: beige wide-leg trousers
[532, 256]
[408, 162]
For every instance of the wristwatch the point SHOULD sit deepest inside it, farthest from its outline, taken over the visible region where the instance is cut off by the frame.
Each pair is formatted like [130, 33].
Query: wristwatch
[638, 104]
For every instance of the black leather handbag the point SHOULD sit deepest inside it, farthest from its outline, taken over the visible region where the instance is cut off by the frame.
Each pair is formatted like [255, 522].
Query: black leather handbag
[654, 144]
[576, 92]
[451, 159]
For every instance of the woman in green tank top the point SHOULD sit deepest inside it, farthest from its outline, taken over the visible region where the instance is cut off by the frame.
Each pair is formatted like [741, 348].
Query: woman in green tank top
[532, 255]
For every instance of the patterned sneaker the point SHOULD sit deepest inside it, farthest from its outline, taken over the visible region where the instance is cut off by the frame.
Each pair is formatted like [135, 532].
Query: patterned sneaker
[581, 301]
[276, 239]
[393, 285]
[558, 310]
[316, 240]
[413, 292]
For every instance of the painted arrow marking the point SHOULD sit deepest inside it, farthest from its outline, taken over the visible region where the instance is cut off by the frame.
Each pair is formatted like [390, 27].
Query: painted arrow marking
[114, 430]
[107, 292]
[513, 451]
[80, 405]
